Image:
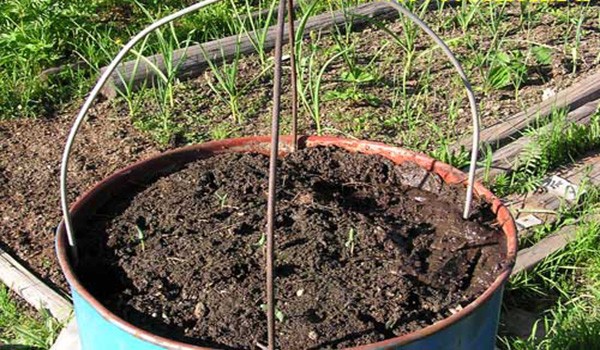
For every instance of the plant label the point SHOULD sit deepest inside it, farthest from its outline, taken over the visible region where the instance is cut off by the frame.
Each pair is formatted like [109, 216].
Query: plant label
[528, 222]
[561, 187]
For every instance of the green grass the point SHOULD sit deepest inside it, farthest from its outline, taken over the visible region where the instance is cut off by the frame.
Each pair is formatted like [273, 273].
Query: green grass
[19, 327]
[564, 289]
[559, 143]
[36, 35]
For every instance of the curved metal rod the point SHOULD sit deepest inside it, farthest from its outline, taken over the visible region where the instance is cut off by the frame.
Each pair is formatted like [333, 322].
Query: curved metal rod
[472, 102]
[88, 103]
[110, 69]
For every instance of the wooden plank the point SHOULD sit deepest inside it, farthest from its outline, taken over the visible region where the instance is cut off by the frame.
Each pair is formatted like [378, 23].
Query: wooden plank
[68, 339]
[506, 158]
[543, 204]
[521, 323]
[193, 60]
[577, 95]
[32, 290]
[529, 257]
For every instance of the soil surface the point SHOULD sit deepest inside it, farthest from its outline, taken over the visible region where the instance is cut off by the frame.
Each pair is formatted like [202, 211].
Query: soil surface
[366, 250]
[30, 153]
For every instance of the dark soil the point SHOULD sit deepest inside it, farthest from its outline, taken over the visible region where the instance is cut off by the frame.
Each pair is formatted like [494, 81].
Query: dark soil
[435, 111]
[182, 256]
[30, 152]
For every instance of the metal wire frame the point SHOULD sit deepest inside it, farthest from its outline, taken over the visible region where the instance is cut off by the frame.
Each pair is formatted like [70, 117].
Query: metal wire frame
[271, 206]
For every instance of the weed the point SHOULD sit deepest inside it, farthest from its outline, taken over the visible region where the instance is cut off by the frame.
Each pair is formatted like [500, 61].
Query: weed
[507, 68]
[19, 328]
[220, 132]
[459, 159]
[560, 141]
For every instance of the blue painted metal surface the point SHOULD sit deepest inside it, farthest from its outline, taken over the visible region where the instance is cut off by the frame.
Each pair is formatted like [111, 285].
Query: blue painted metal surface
[98, 333]
[474, 332]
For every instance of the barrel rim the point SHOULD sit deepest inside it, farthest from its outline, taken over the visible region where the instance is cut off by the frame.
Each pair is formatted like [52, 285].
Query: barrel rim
[261, 144]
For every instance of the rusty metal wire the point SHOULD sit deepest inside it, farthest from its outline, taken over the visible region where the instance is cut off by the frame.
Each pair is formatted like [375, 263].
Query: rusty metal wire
[294, 74]
[272, 200]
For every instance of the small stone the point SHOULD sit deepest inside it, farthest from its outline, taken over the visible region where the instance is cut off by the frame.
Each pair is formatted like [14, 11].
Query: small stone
[300, 292]
[549, 92]
[455, 310]
[200, 310]
[312, 335]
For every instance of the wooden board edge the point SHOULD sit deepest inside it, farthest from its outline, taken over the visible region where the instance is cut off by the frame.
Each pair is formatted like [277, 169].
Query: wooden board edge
[68, 339]
[35, 292]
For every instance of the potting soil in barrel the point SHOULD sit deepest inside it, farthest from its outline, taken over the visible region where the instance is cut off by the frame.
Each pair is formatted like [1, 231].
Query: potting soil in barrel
[365, 251]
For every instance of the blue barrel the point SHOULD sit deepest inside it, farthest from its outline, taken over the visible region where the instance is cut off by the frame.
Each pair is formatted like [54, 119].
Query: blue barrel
[473, 327]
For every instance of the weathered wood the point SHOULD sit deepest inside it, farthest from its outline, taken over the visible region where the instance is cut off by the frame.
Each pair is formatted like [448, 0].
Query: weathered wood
[571, 98]
[44, 75]
[194, 60]
[544, 203]
[506, 158]
[522, 323]
[68, 339]
[32, 290]
[529, 257]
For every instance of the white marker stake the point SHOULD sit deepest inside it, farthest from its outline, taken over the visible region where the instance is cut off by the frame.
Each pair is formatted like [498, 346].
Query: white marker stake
[561, 188]
[528, 222]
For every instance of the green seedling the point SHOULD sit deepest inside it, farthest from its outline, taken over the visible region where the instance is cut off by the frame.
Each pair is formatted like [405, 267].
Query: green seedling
[226, 85]
[261, 242]
[309, 84]
[279, 315]
[141, 237]
[351, 240]
[222, 199]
